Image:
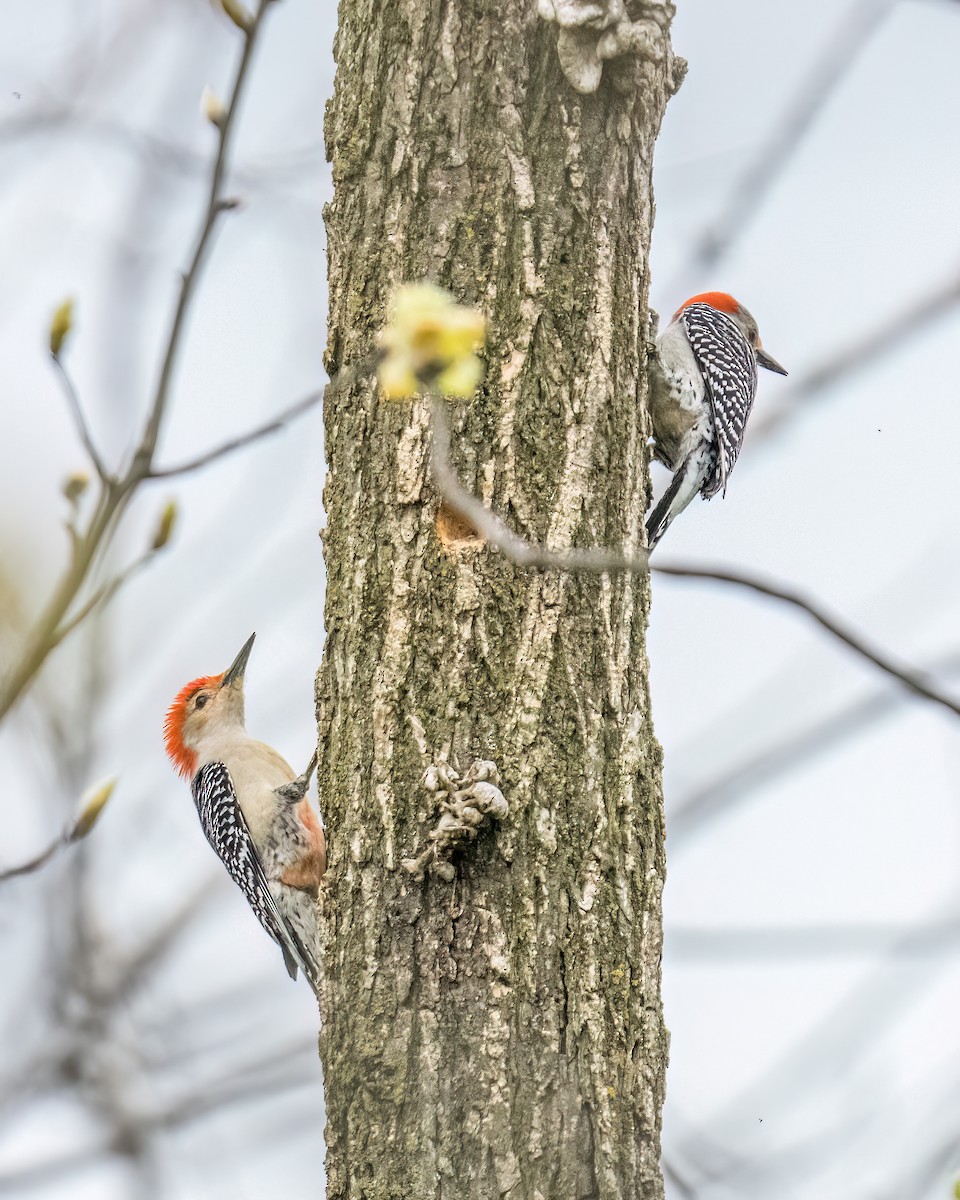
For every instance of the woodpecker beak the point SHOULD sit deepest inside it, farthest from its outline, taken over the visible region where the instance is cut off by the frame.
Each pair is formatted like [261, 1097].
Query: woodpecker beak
[765, 360]
[239, 664]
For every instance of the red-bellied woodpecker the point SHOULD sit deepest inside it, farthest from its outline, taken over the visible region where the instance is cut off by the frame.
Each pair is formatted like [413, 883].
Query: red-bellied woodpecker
[702, 385]
[253, 810]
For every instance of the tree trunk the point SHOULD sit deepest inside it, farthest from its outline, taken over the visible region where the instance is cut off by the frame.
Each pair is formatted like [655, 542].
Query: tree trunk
[498, 1034]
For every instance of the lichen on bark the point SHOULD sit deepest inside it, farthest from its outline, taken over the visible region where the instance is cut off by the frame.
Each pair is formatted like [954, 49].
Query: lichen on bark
[500, 1035]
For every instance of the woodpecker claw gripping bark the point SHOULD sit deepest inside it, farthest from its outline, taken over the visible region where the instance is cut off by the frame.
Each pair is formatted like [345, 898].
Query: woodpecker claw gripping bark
[703, 384]
[253, 810]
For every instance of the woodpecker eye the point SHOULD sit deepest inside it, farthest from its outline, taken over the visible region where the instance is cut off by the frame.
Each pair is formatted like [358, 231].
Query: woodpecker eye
[201, 700]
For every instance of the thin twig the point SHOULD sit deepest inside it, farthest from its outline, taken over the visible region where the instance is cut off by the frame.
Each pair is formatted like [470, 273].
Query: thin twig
[912, 679]
[78, 829]
[34, 864]
[528, 554]
[100, 597]
[244, 439]
[496, 531]
[79, 419]
[214, 209]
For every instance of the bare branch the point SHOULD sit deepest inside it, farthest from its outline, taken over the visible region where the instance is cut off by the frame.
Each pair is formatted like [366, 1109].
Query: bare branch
[214, 208]
[495, 530]
[79, 419]
[238, 443]
[912, 679]
[100, 597]
[34, 864]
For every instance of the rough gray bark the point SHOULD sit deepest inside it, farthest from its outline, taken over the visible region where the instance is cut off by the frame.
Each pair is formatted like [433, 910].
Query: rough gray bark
[499, 1035]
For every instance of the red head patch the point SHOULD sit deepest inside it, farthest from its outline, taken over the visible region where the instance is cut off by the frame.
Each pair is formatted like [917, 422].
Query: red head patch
[720, 300]
[183, 759]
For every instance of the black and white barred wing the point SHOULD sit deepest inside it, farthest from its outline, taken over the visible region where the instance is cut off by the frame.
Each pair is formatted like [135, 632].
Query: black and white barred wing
[227, 832]
[729, 368]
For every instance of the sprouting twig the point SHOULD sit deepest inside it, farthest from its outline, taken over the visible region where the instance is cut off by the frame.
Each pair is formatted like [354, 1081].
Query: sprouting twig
[244, 439]
[915, 681]
[115, 494]
[214, 209]
[498, 533]
[91, 808]
[79, 419]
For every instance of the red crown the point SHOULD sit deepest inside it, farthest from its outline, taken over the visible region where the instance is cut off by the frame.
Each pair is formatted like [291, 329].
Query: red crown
[183, 759]
[721, 300]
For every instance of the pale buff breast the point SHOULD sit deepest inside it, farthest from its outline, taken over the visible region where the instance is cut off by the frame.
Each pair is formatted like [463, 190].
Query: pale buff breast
[256, 770]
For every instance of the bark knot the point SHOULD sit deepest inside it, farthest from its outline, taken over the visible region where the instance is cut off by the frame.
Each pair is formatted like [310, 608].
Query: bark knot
[592, 32]
[465, 801]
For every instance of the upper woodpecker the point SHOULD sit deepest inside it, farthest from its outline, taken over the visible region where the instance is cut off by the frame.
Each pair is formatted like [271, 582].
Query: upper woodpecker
[703, 382]
[253, 810]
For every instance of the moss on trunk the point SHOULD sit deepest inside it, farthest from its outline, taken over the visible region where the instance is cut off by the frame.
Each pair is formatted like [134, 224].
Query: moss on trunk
[500, 1035]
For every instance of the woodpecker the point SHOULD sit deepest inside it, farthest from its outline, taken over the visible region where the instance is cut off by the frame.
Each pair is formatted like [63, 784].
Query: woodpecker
[253, 809]
[702, 385]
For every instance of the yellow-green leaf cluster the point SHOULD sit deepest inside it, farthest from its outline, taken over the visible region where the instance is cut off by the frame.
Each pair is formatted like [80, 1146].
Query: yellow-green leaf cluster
[430, 343]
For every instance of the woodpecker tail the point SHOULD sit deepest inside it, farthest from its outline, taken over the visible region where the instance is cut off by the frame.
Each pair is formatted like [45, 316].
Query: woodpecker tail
[299, 933]
[298, 957]
[686, 482]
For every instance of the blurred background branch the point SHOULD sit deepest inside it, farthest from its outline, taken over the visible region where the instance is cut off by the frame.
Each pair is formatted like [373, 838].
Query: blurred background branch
[280, 421]
[115, 493]
[828, 72]
[913, 680]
